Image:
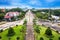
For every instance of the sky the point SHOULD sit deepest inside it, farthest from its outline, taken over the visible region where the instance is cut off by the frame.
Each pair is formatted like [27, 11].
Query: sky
[30, 3]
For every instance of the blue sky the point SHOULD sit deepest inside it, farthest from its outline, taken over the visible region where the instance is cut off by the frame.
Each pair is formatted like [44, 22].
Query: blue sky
[30, 3]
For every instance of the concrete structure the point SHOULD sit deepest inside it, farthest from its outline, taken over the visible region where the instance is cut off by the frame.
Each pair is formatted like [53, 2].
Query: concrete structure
[55, 17]
[30, 30]
[43, 12]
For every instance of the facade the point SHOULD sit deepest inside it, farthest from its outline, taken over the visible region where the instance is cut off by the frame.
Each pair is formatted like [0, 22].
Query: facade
[56, 18]
[9, 15]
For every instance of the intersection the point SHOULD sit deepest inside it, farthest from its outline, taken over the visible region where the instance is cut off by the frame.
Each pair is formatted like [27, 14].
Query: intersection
[29, 16]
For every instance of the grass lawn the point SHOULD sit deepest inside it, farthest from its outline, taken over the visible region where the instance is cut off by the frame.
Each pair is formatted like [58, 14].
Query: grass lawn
[17, 33]
[45, 37]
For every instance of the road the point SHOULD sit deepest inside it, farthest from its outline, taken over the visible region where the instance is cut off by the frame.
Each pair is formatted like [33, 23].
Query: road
[54, 26]
[30, 31]
[3, 22]
[11, 24]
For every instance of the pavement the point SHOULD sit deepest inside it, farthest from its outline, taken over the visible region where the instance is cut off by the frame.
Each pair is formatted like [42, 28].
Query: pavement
[30, 30]
[29, 16]
[11, 24]
[54, 26]
[3, 22]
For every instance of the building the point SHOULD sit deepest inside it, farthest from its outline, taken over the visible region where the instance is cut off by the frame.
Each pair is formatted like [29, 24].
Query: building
[56, 18]
[9, 15]
[43, 12]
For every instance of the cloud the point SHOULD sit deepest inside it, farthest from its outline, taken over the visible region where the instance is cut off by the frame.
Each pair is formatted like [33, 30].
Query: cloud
[21, 6]
[29, 3]
[49, 1]
[35, 2]
[18, 4]
[14, 4]
[24, 5]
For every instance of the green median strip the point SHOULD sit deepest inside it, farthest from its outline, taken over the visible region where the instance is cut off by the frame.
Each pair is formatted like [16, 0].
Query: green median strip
[19, 33]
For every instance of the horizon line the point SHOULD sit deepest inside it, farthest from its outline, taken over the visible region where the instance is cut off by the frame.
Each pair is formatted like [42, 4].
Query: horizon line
[10, 7]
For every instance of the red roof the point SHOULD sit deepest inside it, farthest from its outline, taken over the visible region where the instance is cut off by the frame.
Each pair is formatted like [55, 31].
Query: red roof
[10, 14]
[7, 17]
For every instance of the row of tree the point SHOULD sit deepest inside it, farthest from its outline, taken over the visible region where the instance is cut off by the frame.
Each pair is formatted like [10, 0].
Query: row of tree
[41, 15]
[49, 11]
[2, 14]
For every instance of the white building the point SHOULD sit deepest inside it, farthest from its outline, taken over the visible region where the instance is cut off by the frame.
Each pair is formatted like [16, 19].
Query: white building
[55, 17]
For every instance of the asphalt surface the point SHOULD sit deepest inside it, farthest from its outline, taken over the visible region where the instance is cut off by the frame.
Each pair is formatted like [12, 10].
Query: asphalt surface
[11, 24]
[30, 30]
[54, 26]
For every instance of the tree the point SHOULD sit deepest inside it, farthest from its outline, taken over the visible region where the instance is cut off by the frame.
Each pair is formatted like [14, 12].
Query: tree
[41, 38]
[41, 15]
[34, 21]
[56, 12]
[9, 38]
[48, 31]
[59, 38]
[50, 39]
[1, 16]
[18, 38]
[11, 32]
[16, 9]
[57, 31]
[37, 29]
[22, 29]
[21, 15]
[0, 37]
[1, 30]
[25, 22]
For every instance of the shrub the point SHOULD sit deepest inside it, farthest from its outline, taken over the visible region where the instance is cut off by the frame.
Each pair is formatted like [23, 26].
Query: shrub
[1, 30]
[9, 38]
[10, 32]
[34, 21]
[16, 25]
[25, 22]
[48, 31]
[50, 39]
[22, 29]
[18, 38]
[37, 29]
[41, 38]
[59, 38]
[0, 37]
[57, 31]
